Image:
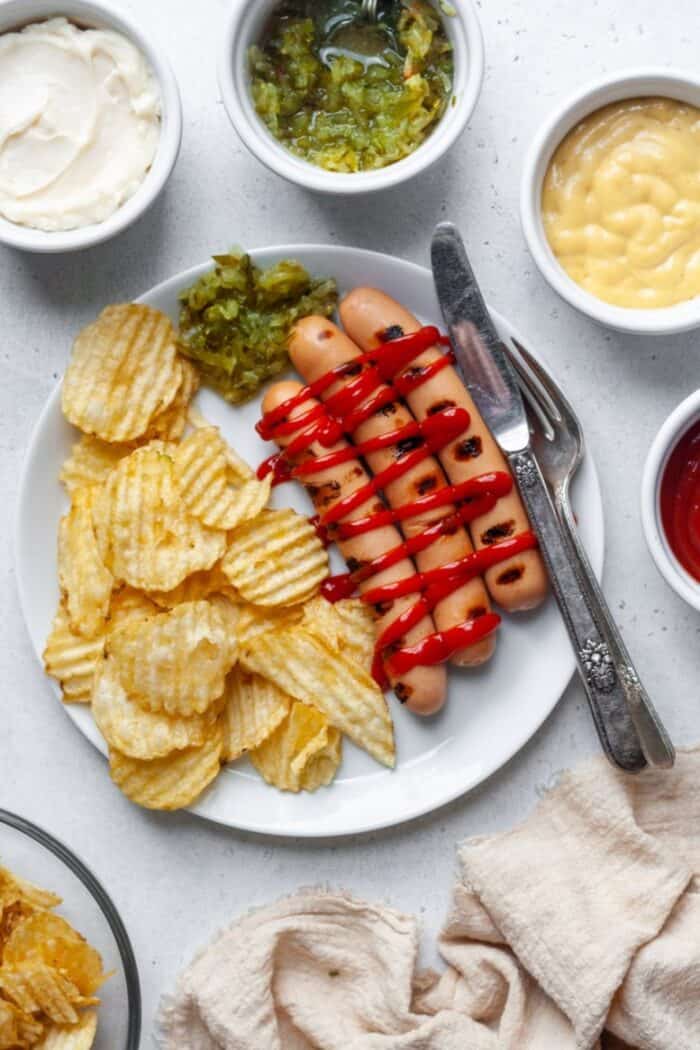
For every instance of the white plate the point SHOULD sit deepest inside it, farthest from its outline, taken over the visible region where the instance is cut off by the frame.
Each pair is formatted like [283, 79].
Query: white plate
[490, 714]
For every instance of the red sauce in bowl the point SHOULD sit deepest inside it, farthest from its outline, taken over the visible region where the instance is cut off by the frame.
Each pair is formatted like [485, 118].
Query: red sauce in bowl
[680, 501]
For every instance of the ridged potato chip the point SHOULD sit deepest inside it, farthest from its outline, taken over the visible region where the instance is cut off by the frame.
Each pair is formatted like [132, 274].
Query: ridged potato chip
[177, 661]
[229, 608]
[305, 668]
[124, 370]
[239, 470]
[359, 630]
[194, 588]
[29, 1029]
[53, 941]
[11, 915]
[90, 462]
[171, 422]
[146, 537]
[48, 972]
[347, 626]
[17, 1028]
[136, 732]
[255, 620]
[77, 1037]
[276, 559]
[9, 1036]
[172, 782]
[84, 579]
[35, 987]
[14, 889]
[202, 474]
[253, 708]
[129, 604]
[12, 1035]
[72, 659]
[302, 754]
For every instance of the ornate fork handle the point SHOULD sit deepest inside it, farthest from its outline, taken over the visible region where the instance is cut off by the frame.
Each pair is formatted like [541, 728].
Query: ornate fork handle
[654, 739]
[601, 677]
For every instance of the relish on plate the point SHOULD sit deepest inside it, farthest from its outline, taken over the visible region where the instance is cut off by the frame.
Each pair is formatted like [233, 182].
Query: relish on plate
[346, 95]
[234, 321]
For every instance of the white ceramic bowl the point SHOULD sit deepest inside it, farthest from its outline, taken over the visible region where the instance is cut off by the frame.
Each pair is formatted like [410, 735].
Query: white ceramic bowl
[16, 13]
[677, 424]
[245, 23]
[611, 88]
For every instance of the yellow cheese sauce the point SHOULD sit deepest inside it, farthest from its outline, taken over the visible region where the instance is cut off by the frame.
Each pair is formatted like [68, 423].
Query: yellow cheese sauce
[621, 203]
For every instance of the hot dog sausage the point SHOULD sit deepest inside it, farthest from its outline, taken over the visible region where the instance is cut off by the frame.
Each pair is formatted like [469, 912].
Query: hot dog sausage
[423, 688]
[521, 582]
[316, 346]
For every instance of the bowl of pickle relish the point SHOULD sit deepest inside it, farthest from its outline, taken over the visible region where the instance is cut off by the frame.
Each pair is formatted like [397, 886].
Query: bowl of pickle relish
[340, 104]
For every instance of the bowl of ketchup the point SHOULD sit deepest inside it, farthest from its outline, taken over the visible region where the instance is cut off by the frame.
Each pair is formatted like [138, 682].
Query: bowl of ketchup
[671, 500]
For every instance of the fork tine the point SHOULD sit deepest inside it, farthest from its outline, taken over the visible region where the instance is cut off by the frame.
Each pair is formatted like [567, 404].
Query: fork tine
[547, 392]
[569, 417]
[529, 390]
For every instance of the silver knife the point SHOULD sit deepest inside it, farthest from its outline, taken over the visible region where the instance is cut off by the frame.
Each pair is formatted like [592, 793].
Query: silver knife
[487, 373]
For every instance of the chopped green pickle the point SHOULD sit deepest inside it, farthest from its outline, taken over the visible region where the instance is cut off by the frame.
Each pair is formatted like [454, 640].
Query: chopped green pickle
[346, 95]
[235, 320]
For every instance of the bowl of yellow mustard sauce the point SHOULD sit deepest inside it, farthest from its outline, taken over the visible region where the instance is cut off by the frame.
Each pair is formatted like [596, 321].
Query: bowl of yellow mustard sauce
[610, 201]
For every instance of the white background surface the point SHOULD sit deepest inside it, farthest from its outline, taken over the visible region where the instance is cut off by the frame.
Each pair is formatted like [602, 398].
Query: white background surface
[175, 879]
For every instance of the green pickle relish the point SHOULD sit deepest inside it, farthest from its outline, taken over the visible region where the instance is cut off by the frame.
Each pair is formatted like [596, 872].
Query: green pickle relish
[346, 95]
[236, 319]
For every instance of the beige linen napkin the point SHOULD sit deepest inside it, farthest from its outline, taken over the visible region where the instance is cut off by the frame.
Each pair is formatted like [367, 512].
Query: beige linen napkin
[587, 917]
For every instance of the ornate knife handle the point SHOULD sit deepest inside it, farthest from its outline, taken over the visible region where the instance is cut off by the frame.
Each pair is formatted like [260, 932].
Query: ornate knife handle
[655, 741]
[606, 696]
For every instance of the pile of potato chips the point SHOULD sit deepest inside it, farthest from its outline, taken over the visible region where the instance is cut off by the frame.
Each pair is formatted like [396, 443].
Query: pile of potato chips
[190, 617]
[49, 974]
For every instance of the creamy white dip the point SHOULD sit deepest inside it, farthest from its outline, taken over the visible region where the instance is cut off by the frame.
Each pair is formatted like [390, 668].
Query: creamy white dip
[80, 122]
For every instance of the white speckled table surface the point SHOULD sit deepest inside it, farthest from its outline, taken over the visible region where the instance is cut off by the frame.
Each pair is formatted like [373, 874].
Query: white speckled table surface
[175, 879]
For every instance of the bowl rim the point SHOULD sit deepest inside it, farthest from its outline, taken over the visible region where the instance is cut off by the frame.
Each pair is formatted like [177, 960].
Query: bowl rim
[639, 81]
[107, 907]
[671, 431]
[468, 43]
[102, 14]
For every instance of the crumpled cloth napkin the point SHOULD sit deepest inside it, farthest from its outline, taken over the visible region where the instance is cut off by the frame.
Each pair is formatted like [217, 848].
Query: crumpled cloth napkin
[583, 922]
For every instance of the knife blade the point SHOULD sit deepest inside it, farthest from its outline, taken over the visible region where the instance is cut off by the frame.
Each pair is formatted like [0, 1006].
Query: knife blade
[480, 354]
[488, 375]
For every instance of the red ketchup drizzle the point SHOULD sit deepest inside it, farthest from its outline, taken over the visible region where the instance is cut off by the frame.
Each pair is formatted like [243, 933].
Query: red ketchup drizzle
[321, 531]
[377, 378]
[680, 501]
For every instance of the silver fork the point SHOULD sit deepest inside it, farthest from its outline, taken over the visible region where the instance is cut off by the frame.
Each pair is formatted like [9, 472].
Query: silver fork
[558, 444]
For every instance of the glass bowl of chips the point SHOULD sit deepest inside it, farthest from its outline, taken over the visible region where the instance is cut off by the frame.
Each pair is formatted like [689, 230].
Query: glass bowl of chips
[55, 919]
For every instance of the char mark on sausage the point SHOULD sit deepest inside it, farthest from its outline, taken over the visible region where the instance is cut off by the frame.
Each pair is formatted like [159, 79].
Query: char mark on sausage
[426, 484]
[394, 331]
[511, 575]
[501, 531]
[470, 448]
[403, 692]
[352, 368]
[406, 445]
[440, 406]
[354, 564]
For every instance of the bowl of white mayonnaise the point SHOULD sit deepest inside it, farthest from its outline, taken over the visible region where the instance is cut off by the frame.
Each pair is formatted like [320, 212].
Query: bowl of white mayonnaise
[90, 123]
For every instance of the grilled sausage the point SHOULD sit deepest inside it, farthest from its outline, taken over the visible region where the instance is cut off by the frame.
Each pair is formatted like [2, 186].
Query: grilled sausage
[423, 688]
[520, 582]
[316, 346]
